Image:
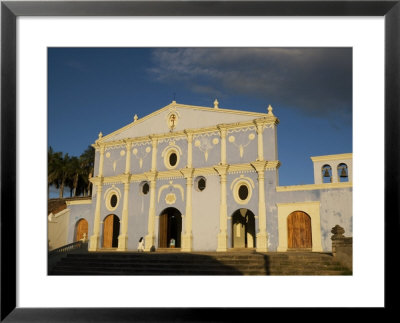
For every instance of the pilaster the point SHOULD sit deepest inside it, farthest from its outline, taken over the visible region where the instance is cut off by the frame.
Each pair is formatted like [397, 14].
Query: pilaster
[128, 157]
[262, 237]
[260, 145]
[187, 237]
[154, 154]
[223, 132]
[94, 239]
[101, 162]
[189, 136]
[149, 239]
[223, 209]
[123, 237]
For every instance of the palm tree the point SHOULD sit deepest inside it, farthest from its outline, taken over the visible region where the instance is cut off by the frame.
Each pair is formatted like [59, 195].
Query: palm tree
[62, 172]
[53, 161]
[87, 165]
[74, 171]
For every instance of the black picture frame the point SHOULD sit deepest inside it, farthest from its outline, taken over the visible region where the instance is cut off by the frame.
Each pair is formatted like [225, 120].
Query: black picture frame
[10, 10]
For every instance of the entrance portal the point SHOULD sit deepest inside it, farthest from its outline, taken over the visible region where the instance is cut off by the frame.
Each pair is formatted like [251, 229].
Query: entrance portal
[243, 229]
[110, 231]
[81, 230]
[170, 228]
[299, 230]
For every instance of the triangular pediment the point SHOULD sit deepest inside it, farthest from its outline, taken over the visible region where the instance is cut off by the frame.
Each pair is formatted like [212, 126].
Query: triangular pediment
[178, 117]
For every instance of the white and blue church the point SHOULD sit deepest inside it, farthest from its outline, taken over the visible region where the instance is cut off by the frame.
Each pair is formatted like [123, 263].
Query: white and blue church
[199, 178]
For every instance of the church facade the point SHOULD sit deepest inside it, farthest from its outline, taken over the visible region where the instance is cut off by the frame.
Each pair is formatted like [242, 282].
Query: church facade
[206, 179]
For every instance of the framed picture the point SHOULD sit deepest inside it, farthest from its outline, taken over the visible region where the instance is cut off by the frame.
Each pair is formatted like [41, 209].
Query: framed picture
[12, 166]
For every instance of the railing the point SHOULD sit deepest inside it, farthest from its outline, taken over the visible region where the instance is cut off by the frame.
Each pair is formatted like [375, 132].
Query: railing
[69, 247]
[59, 253]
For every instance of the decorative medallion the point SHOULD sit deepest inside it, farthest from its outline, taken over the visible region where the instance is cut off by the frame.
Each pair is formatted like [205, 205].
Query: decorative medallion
[170, 198]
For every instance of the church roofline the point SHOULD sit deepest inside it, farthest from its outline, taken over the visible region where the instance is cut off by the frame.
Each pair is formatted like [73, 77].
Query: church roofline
[257, 115]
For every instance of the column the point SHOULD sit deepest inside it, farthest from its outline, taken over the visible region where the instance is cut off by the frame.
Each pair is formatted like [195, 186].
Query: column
[262, 237]
[128, 158]
[187, 237]
[149, 239]
[94, 239]
[123, 237]
[223, 209]
[260, 145]
[223, 145]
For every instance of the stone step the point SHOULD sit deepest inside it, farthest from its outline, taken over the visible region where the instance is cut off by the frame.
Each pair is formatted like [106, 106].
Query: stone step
[210, 263]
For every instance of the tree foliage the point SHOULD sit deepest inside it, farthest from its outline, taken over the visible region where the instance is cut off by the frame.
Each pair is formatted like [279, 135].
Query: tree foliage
[70, 171]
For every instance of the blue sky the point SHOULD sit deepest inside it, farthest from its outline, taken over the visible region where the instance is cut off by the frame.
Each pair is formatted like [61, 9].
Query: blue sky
[101, 89]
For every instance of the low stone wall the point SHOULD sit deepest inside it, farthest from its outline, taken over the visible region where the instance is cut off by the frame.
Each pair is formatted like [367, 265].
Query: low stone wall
[342, 247]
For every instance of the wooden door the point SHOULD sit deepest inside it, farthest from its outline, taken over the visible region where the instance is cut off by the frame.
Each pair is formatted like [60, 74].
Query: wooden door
[108, 231]
[81, 230]
[163, 232]
[299, 230]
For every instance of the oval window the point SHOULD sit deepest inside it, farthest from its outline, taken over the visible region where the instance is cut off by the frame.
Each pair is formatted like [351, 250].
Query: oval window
[243, 192]
[113, 200]
[201, 184]
[173, 158]
[145, 188]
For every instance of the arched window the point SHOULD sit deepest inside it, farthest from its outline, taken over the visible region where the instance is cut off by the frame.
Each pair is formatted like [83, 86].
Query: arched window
[326, 174]
[343, 172]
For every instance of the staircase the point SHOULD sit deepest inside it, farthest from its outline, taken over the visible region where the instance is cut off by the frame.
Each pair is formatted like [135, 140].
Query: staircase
[204, 263]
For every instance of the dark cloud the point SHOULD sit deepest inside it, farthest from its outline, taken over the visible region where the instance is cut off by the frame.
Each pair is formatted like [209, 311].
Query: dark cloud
[318, 81]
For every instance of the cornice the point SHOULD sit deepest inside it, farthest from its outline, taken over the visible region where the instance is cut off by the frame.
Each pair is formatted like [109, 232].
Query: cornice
[183, 133]
[79, 202]
[332, 157]
[311, 187]
[183, 172]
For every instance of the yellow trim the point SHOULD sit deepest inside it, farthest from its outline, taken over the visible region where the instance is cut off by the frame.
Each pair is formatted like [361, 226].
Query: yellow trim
[79, 202]
[332, 157]
[312, 209]
[107, 197]
[246, 181]
[121, 178]
[263, 118]
[310, 187]
[168, 151]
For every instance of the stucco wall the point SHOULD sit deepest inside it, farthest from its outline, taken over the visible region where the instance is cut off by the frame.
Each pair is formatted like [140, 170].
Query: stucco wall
[206, 149]
[57, 229]
[205, 215]
[138, 214]
[141, 157]
[77, 212]
[335, 208]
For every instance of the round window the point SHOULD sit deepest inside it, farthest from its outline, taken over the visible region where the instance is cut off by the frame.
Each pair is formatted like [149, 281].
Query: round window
[145, 188]
[243, 192]
[173, 158]
[113, 200]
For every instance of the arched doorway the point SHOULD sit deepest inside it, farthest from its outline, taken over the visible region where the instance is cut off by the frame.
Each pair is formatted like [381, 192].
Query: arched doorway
[170, 228]
[110, 231]
[81, 230]
[243, 229]
[299, 230]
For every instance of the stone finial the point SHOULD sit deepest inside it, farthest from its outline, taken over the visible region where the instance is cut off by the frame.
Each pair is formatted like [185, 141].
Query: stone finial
[337, 231]
[270, 110]
[100, 135]
[135, 118]
[216, 104]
